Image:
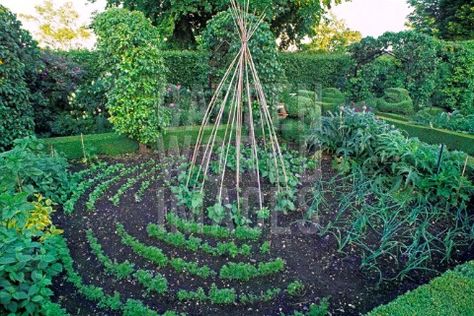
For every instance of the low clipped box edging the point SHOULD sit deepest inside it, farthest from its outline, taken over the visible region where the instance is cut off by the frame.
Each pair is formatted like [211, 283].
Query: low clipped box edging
[450, 294]
[454, 140]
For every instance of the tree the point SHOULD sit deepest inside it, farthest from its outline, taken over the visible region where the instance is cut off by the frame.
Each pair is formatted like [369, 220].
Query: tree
[134, 71]
[332, 35]
[18, 60]
[58, 27]
[182, 21]
[446, 19]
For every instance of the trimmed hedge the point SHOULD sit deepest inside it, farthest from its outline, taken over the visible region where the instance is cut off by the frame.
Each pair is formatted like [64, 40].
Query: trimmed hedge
[308, 71]
[395, 100]
[394, 116]
[452, 140]
[187, 68]
[112, 144]
[450, 294]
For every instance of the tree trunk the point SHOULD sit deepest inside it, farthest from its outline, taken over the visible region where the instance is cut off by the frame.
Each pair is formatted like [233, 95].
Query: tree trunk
[143, 149]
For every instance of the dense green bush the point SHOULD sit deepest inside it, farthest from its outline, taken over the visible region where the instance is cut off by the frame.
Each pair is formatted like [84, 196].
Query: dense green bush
[128, 50]
[59, 79]
[311, 71]
[374, 78]
[221, 40]
[29, 243]
[87, 105]
[28, 168]
[18, 60]
[395, 100]
[455, 90]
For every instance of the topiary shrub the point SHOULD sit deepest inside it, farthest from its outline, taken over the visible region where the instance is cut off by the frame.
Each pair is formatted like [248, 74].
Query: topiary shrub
[135, 73]
[221, 40]
[302, 107]
[308, 94]
[331, 100]
[18, 54]
[395, 100]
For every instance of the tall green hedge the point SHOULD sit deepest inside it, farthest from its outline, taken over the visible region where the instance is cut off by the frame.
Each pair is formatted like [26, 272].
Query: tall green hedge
[308, 71]
[304, 70]
[187, 68]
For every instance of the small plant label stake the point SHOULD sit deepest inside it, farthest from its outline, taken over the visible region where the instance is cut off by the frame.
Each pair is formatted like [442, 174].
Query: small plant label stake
[238, 90]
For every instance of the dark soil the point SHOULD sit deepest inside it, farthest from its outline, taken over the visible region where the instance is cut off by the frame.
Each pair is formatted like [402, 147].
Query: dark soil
[309, 257]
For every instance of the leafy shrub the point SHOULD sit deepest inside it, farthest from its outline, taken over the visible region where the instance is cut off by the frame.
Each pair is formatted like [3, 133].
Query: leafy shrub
[29, 247]
[27, 268]
[416, 62]
[303, 107]
[382, 150]
[59, 79]
[27, 168]
[128, 49]
[395, 100]
[18, 57]
[455, 90]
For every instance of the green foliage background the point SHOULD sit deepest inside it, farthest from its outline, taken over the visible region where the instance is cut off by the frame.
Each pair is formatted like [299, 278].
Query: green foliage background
[18, 54]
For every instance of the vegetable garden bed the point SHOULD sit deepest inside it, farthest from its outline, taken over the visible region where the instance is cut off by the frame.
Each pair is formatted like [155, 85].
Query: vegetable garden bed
[126, 235]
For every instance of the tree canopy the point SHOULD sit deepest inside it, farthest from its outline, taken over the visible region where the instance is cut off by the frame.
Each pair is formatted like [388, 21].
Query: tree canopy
[182, 21]
[446, 19]
[58, 27]
[332, 35]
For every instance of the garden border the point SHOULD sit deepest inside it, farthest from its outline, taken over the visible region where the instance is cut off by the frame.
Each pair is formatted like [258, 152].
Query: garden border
[449, 294]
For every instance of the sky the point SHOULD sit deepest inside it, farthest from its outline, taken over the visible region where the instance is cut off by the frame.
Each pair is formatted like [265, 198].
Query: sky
[370, 17]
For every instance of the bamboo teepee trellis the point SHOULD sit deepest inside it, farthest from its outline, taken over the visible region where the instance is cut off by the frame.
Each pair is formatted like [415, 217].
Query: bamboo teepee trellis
[240, 87]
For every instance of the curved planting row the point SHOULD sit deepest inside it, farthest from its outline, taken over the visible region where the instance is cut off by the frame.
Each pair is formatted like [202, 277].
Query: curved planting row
[241, 251]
